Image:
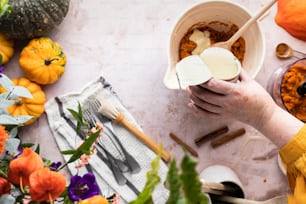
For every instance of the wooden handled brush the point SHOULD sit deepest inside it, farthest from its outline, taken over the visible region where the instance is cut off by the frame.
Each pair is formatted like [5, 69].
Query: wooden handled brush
[108, 110]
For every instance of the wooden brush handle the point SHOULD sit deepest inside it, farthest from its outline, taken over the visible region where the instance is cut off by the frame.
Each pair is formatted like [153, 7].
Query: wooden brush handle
[140, 135]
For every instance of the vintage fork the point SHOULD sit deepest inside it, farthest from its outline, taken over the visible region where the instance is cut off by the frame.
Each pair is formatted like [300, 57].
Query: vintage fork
[133, 165]
[116, 165]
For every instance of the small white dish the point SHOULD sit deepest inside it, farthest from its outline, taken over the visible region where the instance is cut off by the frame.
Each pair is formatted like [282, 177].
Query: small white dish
[214, 62]
[224, 175]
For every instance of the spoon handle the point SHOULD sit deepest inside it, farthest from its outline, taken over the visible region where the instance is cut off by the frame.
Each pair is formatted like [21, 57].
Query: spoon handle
[298, 54]
[250, 21]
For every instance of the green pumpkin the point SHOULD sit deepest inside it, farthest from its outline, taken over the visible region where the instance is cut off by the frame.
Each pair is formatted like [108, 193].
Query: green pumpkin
[33, 18]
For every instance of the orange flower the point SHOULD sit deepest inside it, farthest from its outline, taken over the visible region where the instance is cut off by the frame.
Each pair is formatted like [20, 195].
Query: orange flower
[5, 186]
[21, 167]
[3, 137]
[46, 185]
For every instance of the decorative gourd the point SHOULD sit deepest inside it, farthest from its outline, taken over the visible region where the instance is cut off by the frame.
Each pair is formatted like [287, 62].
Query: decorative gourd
[33, 18]
[6, 48]
[291, 17]
[42, 60]
[28, 106]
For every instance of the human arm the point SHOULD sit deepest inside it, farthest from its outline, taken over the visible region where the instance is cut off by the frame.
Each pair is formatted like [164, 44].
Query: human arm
[246, 101]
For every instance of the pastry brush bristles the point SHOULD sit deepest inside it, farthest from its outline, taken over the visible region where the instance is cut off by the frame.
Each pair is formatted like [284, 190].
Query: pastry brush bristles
[108, 110]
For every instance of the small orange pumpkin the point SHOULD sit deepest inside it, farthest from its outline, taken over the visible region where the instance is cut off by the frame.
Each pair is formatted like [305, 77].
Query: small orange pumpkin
[28, 106]
[291, 17]
[98, 199]
[6, 48]
[42, 60]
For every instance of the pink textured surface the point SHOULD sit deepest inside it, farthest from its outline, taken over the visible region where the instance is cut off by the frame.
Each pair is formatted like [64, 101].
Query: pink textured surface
[126, 42]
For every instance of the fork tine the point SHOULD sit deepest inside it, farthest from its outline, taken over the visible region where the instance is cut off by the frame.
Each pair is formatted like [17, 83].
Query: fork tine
[94, 103]
[88, 118]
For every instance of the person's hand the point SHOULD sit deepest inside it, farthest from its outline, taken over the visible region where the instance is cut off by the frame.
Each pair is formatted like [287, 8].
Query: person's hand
[246, 100]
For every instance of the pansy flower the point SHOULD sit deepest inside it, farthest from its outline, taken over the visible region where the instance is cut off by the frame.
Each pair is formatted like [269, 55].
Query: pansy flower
[81, 188]
[54, 166]
[1, 70]
[25, 164]
[46, 185]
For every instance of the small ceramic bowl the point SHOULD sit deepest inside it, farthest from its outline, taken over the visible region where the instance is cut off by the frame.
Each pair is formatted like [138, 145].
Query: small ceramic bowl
[224, 175]
[209, 11]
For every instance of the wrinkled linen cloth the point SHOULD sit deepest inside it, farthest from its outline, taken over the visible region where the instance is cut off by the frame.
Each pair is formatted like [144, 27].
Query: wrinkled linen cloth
[61, 124]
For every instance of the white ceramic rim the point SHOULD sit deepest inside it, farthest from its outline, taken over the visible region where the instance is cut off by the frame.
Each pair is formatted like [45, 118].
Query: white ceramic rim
[170, 70]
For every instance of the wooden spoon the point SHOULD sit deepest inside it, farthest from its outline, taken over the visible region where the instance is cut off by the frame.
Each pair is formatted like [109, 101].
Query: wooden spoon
[227, 44]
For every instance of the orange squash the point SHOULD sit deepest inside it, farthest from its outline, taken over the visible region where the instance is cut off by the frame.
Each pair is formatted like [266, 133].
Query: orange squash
[291, 17]
[6, 48]
[98, 199]
[42, 60]
[28, 106]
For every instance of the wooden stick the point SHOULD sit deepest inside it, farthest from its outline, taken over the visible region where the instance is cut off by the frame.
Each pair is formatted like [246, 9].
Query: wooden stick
[140, 135]
[227, 138]
[211, 135]
[186, 146]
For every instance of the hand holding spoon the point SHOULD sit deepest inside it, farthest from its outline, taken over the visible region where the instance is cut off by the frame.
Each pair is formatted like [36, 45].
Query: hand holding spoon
[227, 44]
[284, 51]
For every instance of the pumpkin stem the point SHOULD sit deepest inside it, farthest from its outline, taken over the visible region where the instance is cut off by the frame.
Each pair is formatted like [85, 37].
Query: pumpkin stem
[18, 102]
[49, 61]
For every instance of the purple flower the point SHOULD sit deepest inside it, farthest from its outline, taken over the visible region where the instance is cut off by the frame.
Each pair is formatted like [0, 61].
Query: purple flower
[81, 188]
[55, 165]
[1, 70]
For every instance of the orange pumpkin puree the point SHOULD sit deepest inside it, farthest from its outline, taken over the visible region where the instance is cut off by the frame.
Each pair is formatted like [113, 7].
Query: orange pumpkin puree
[187, 46]
[293, 78]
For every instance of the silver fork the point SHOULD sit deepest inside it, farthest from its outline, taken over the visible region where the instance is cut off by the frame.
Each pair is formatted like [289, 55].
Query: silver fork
[133, 165]
[116, 165]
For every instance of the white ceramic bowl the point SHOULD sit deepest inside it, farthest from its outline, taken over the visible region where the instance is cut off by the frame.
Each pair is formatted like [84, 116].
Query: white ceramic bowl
[224, 175]
[224, 11]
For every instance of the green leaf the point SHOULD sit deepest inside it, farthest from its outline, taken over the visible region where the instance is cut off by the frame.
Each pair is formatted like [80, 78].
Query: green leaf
[78, 116]
[174, 183]
[37, 150]
[5, 103]
[21, 91]
[5, 8]
[21, 119]
[145, 197]
[75, 115]
[11, 145]
[24, 145]
[7, 199]
[84, 148]
[13, 132]
[68, 152]
[6, 83]
[192, 185]
[8, 120]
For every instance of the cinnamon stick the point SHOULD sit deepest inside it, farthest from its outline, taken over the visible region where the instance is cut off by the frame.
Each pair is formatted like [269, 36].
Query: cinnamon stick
[227, 138]
[186, 146]
[211, 135]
